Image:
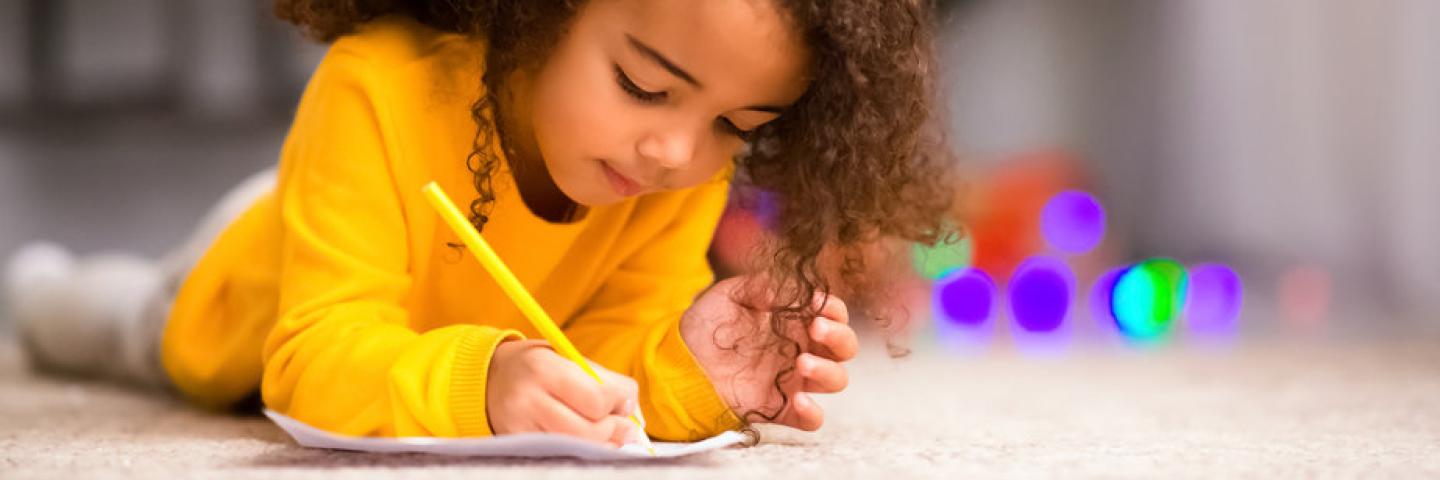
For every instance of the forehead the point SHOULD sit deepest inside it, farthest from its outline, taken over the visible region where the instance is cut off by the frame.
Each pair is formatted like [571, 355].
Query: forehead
[731, 46]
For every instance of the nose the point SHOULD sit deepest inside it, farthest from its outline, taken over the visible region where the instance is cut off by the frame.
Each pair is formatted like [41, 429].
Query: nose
[670, 148]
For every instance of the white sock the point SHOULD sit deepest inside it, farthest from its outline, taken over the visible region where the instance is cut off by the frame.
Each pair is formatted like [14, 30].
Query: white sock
[85, 317]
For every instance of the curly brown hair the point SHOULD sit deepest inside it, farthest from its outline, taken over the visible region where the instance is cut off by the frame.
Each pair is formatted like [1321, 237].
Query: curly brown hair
[857, 161]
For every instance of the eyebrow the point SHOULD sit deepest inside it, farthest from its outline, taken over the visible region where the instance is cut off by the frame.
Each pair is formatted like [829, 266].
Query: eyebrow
[649, 52]
[670, 66]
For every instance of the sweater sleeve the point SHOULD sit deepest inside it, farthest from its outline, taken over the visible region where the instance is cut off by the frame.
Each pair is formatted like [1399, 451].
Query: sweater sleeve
[342, 355]
[632, 324]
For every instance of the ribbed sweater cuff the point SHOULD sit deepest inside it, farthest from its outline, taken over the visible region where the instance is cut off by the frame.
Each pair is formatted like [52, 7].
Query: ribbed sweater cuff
[469, 379]
[685, 382]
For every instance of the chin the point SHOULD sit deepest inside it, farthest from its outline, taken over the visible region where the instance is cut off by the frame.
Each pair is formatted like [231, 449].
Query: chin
[588, 193]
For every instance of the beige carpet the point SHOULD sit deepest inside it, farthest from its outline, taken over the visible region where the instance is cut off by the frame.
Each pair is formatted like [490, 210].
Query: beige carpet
[1368, 409]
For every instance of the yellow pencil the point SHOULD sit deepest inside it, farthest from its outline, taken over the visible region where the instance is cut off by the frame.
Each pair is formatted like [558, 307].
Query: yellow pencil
[512, 287]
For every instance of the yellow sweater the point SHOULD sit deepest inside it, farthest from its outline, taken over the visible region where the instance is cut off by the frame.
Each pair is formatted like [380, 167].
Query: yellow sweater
[337, 295]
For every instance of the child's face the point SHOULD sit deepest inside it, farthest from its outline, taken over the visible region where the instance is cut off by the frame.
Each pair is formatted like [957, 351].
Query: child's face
[648, 95]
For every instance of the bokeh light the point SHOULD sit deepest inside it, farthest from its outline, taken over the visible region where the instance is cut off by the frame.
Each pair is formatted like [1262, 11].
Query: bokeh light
[1148, 297]
[965, 297]
[1040, 293]
[767, 209]
[737, 239]
[1101, 306]
[1073, 222]
[1305, 296]
[943, 258]
[1215, 297]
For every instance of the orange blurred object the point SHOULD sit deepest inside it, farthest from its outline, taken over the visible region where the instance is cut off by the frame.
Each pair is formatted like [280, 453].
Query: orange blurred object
[1002, 211]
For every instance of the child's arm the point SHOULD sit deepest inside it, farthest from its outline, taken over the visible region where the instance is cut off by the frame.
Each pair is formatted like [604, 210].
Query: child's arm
[342, 355]
[631, 325]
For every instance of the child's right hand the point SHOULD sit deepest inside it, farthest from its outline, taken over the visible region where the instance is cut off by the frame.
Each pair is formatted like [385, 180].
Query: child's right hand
[533, 389]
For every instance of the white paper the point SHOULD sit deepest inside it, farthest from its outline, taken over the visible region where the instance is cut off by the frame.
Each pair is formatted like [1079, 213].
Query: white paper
[516, 445]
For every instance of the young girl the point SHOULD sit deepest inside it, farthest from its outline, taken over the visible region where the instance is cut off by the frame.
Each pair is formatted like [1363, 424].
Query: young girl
[597, 155]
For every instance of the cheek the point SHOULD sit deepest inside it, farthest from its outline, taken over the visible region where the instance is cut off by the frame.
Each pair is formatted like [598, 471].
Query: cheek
[576, 118]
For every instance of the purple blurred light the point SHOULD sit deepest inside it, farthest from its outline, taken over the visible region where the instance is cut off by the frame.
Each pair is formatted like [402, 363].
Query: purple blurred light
[966, 297]
[1102, 295]
[767, 209]
[1073, 222]
[1040, 293]
[1215, 297]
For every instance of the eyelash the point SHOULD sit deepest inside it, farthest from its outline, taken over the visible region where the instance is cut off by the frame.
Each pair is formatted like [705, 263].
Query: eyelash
[730, 128]
[649, 97]
[634, 90]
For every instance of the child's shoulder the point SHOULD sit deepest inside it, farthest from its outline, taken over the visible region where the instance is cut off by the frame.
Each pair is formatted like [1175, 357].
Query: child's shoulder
[395, 41]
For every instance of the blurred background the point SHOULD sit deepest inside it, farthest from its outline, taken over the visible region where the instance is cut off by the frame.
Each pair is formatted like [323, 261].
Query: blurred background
[1295, 141]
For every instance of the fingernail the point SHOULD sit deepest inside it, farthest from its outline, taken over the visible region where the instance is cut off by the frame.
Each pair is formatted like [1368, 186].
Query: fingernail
[629, 406]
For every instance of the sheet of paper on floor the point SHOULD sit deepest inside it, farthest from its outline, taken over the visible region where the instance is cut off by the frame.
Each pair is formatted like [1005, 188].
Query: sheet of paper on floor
[521, 445]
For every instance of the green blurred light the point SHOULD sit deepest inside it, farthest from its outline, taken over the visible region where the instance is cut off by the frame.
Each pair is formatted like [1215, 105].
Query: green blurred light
[937, 261]
[1148, 297]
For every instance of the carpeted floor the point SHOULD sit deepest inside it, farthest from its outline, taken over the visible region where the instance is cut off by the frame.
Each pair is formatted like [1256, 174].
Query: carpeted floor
[1368, 409]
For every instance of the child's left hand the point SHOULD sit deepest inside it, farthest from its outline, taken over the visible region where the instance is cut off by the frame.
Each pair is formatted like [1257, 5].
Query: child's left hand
[735, 345]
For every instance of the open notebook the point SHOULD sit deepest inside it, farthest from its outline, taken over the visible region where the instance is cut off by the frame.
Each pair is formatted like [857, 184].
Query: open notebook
[521, 445]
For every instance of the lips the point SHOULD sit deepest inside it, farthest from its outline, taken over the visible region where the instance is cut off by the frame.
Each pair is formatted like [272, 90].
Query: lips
[622, 184]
